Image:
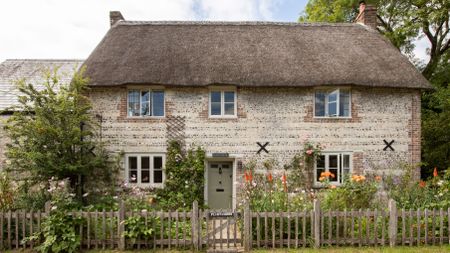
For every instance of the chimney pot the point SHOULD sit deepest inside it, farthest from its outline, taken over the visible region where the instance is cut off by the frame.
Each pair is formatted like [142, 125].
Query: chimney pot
[114, 17]
[367, 15]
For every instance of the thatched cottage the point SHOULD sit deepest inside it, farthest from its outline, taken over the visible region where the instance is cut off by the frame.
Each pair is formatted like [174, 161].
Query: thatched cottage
[253, 91]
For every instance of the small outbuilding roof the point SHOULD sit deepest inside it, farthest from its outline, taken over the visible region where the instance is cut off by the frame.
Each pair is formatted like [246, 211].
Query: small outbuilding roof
[33, 71]
[248, 54]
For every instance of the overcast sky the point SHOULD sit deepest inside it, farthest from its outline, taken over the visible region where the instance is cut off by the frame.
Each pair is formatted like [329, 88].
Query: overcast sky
[66, 29]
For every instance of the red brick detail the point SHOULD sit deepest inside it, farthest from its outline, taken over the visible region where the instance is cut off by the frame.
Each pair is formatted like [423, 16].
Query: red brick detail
[358, 163]
[414, 131]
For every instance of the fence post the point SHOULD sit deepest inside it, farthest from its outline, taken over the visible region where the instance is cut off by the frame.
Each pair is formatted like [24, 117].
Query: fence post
[392, 223]
[317, 214]
[48, 207]
[121, 226]
[247, 232]
[194, 224]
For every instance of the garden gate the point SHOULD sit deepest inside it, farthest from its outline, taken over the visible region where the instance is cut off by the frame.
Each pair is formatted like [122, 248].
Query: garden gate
[222, 230]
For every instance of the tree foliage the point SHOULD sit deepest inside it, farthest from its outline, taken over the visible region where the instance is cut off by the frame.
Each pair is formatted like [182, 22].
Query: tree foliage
[52, 133]
[436, 120]
[402, 22]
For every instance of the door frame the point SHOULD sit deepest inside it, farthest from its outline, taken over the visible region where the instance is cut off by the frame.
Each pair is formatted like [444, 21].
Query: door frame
[232, 159]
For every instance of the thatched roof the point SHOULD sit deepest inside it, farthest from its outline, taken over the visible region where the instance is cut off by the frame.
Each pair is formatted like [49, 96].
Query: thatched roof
[248, 54]
[33, 71]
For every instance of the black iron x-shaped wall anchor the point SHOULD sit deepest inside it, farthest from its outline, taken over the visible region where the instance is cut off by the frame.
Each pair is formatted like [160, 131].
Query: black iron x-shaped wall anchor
[388, 145]
[262, 147]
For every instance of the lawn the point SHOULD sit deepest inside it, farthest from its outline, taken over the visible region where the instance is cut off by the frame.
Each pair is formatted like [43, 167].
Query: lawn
[323, 250]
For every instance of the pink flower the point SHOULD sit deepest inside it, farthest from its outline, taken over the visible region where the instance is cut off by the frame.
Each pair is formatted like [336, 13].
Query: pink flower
[309, 152]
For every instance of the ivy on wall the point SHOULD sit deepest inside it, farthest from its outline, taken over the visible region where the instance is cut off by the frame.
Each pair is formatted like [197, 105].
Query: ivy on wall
[185, 178]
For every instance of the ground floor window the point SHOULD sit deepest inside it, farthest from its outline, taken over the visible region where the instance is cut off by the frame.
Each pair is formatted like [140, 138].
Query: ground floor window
[145, 169]
[339, 164]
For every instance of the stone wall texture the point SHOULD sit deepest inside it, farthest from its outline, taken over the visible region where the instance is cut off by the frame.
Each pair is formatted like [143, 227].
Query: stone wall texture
[281, 116]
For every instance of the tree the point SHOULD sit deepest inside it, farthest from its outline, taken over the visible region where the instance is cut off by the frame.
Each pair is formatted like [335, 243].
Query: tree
[402, 22]
[436, 120]
[52, 134]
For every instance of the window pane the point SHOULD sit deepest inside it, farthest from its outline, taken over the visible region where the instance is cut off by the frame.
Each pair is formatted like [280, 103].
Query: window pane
[335, 173]
[133, 103]
[145, 163]
[145, 176]
[133, 176]
[320, 161]
[158, 103]
[157, 176]
[229, 96]
[346, 162]
[132, 163]
[145, 103]
[132, 169]
[215, 109]
[157, 162]
[318, 172]
[145, 169]
[344, 103]
[333, 161]
[332, 109]
[229, 109]
[215, 96]
[320, 104]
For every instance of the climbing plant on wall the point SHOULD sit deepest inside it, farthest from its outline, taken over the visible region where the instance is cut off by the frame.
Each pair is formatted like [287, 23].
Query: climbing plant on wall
[184, 177]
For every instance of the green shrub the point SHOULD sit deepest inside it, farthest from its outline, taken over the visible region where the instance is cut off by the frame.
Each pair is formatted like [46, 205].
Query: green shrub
[357, 192]
[185, 179]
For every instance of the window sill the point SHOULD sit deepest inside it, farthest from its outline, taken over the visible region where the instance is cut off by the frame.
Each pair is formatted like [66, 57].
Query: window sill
[222, 117]
[145, 117]
[147, 186]
[327, 117]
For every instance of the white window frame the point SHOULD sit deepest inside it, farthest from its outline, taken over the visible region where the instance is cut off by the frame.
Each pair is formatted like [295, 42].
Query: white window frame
[149, 89]
[340, 168]
[330, 91]
[151, 184]
[222, 91]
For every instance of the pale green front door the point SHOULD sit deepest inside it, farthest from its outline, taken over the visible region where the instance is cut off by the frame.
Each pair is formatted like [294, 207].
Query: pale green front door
[220, 182]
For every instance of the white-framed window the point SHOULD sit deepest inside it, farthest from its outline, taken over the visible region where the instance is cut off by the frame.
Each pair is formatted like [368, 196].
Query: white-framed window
[222, 103]
[337, 163]
[146, 170]
[145, 102]
[334, 103]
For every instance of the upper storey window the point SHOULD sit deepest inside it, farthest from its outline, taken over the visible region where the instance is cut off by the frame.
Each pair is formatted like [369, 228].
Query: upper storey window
[222, 103]
[145, 102]
[332, 103]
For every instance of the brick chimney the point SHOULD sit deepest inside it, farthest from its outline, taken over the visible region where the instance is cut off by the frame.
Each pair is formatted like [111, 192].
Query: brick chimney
[114, 17]
[367, 15]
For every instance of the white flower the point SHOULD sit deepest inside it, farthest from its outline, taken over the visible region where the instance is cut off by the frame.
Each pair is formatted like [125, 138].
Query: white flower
[440, 182]
[115, 197]
[85, 195]
[54, 208]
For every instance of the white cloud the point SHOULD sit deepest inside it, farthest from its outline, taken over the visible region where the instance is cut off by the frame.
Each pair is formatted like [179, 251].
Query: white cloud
[72, 28]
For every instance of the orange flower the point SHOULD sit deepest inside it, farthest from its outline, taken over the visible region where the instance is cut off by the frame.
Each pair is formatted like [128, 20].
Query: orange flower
[248, 176]
[435, 172]
[284, 178]
[332, 186]
[358, 178]
[378, 178]
[269, 177]
[327, 174]
[322, 178]
[422, 184]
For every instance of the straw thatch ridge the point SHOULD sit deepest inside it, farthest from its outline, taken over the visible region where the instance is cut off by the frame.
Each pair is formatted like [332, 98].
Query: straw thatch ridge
[248, 54]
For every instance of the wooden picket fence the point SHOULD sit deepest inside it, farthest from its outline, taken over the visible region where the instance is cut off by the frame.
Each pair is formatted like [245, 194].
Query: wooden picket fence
[227, 230]
[317, 228]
